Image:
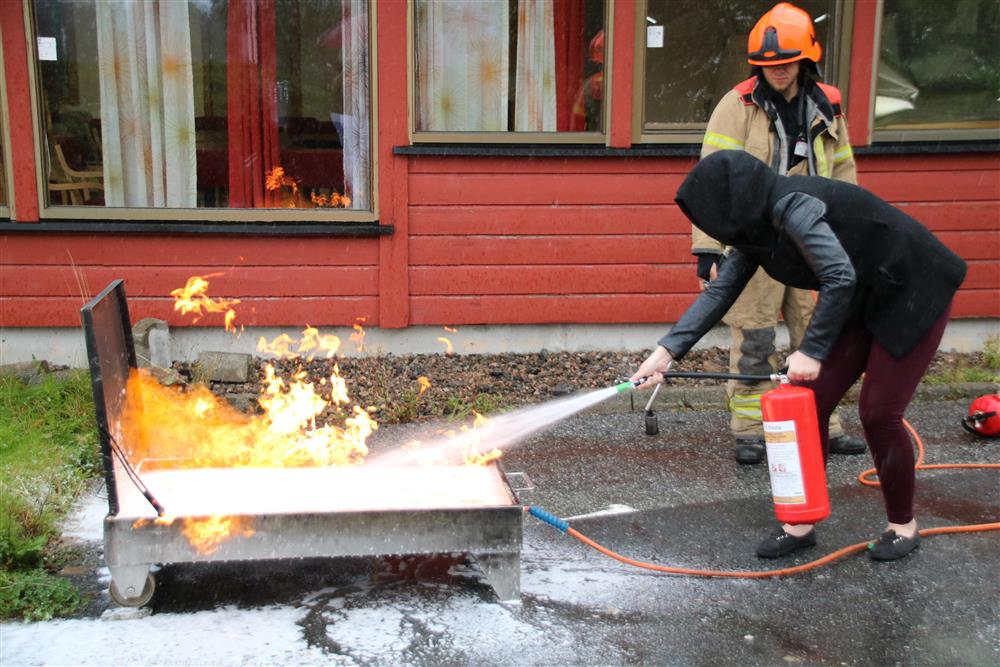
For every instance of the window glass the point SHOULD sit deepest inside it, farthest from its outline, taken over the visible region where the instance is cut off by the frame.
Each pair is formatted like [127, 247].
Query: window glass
[206, 103]
[939, 65]
[509, 66]
[696, 51]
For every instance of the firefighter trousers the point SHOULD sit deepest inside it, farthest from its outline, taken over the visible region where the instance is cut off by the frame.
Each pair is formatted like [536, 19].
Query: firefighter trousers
[753, 321]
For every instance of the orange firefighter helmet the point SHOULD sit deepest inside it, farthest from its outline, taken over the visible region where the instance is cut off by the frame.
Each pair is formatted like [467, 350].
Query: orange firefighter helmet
[785, 34]
[597, 47]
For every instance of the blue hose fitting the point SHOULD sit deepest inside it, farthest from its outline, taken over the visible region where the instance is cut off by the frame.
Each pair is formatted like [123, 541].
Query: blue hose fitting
[548, 518]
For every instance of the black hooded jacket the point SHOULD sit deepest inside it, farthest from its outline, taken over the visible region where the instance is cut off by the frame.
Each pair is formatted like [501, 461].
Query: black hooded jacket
[870, 261]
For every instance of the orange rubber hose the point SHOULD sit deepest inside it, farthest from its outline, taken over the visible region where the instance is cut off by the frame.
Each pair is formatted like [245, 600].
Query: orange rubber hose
[819, 562]
[920, 465]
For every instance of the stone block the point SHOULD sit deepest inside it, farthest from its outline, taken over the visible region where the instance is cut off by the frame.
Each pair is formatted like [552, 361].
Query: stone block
[224, 367]
[151, 338]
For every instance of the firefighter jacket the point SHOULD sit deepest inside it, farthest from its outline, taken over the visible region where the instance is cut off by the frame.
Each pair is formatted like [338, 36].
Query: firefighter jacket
[746, 120]
[871, 262]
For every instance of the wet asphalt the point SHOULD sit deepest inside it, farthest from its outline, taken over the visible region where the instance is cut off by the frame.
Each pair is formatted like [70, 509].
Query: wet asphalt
[683, 501]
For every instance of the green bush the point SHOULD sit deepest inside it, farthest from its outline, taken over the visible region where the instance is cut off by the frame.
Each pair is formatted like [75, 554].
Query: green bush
[36, 595]
[49, 450]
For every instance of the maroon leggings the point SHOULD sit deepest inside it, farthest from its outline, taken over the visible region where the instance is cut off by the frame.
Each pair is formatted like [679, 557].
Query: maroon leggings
[886, 392]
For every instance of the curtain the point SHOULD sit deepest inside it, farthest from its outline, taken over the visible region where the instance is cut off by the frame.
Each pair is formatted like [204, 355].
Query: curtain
[569, 47]
[252, 105]
[462, 65]
[355, 137]
[147, 103]
[535, 91]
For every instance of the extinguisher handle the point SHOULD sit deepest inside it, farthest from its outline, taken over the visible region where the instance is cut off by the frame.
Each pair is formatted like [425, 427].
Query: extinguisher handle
[975, 420]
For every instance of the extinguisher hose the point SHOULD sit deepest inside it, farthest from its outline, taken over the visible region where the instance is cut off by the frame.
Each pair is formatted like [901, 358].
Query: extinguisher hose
[564, 527]
[712, 375]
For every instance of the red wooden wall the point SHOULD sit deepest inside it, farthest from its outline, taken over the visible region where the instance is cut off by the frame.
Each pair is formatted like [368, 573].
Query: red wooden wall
[481, 240]
[600, 240]
[46, 278]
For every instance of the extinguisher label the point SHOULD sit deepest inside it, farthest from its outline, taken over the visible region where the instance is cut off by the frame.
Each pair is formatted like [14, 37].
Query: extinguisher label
[783, 465]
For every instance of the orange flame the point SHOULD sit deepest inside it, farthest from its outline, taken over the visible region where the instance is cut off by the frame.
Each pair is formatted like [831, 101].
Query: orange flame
[300, 424]
[311, 344]
[276, 179]
[192, 298]
[466, 442]
[472, 455]
[359, 333]
[168, 427]
[448, 348]
[205, 534]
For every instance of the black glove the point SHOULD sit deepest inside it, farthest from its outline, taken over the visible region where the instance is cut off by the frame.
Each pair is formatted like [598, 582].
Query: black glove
[706, 261]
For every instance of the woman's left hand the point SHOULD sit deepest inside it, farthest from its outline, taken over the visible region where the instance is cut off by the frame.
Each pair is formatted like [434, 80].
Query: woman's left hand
[803, 368]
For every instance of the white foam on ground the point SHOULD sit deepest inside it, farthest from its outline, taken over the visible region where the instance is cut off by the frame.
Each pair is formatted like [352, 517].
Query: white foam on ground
[87, 522]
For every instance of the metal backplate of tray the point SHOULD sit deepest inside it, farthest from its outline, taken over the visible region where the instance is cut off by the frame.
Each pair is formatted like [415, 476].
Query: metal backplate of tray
[491, 534]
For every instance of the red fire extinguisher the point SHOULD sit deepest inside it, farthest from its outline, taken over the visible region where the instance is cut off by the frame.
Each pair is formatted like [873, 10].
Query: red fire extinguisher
[794, 455]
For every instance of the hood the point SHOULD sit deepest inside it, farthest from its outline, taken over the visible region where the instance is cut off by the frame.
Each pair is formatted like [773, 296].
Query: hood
[726, 195]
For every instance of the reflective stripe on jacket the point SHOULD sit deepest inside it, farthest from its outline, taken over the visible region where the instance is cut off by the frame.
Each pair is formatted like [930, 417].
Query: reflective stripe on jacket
[740, 122]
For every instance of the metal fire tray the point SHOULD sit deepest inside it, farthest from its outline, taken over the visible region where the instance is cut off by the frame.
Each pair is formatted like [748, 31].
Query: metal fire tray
[282, 512]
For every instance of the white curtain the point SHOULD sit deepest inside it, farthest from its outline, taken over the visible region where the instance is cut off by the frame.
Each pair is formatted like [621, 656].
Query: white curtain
[535, 103]
[357, 101]
[462, 65]
[147, 103]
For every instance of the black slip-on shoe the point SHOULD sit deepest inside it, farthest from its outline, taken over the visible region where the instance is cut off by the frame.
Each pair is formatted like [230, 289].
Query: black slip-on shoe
[846, 445]
[891, 546]
[749, 451]
[780, 543]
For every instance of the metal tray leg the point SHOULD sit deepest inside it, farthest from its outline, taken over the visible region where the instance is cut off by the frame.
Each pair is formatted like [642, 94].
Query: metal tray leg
[503, 572]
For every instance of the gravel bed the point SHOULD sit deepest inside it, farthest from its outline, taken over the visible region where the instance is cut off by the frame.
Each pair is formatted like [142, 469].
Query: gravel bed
[388, 386]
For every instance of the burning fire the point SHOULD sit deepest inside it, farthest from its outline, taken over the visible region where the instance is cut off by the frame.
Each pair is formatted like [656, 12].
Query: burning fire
[359, 333]
[287, 190]
[300, 425]
[165, 427]
[206, 533]
[192, 298]
[448, 348]
[468, 441]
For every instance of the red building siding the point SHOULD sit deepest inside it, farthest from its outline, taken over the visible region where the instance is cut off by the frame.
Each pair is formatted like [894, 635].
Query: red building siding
[46, 278]
[482, 240]
[600, 240]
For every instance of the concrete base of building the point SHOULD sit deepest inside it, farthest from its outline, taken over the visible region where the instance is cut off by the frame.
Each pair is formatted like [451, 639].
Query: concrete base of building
[66, 346]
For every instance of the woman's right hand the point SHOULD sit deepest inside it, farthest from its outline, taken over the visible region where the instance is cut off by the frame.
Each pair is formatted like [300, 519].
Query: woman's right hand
[653, 368]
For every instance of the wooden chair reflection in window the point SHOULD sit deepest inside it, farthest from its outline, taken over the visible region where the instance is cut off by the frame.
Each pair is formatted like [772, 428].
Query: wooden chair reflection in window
[76, 187]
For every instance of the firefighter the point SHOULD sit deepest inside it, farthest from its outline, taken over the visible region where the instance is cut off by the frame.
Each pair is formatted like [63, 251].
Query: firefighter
[880, 310]
[782, 116]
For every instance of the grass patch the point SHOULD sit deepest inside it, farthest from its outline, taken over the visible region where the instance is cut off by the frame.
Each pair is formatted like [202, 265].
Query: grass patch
[49, 450]
[484, 404]
[978, 367]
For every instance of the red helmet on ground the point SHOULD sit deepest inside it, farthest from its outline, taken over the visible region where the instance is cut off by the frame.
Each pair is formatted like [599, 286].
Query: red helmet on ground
[984, 416]
[783, 35]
